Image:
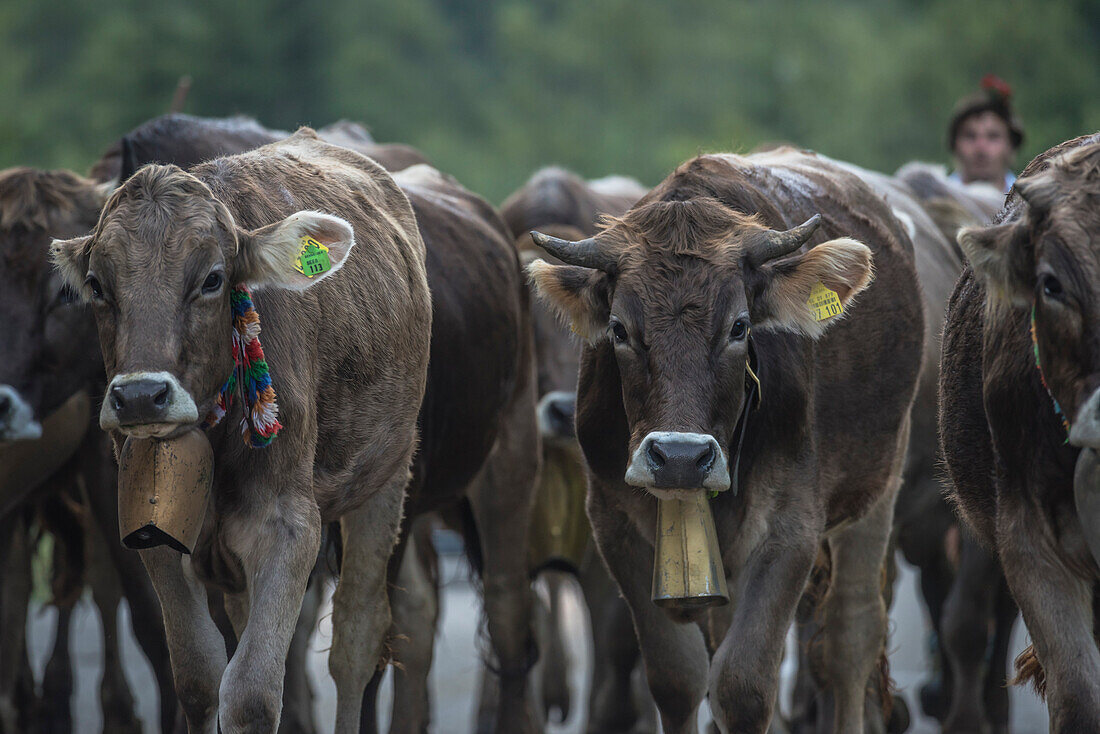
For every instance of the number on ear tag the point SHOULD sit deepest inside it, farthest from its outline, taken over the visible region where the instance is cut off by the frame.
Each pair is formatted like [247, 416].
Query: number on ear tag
[313, 258]
[824, 302]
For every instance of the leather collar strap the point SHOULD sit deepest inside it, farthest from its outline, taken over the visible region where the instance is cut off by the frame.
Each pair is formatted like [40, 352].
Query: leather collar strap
[750, 403]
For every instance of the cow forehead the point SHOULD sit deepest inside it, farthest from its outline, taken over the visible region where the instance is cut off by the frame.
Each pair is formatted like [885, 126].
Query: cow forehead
[678, 292]
[155, 228]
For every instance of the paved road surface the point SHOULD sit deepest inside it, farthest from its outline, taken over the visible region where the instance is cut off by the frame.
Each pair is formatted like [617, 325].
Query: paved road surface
[455, 676]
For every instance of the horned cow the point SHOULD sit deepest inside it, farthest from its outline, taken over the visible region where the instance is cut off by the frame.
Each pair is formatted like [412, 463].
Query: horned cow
[703, 278]
[1019, 416]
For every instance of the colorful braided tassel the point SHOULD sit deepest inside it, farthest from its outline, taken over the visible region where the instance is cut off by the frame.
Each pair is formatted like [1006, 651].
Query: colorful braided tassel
[1042, 377]
[251, 377]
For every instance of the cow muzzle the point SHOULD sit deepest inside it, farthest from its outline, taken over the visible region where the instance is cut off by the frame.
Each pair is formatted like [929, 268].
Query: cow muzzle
[667, 460]
[147, 405]
[1085, 431]
[17, 421]
[556, 412]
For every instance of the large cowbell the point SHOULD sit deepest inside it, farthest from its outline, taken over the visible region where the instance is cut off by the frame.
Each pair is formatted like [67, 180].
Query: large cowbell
[163, 489]
[687, 564]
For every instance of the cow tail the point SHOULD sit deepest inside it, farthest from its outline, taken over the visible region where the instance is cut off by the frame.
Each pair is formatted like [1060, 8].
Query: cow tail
[1030, 670]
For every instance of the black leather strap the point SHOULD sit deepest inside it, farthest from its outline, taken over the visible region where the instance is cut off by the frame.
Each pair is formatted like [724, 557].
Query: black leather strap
[751, 402]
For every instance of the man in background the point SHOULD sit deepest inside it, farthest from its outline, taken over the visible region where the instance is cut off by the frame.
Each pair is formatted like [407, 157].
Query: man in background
[984, 135]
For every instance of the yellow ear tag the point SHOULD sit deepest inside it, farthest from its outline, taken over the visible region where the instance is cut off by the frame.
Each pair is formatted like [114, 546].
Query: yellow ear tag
[824, 302]
[312, 259]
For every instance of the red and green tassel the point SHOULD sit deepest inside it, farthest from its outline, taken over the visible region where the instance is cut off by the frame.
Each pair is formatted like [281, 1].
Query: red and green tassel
[251, 377]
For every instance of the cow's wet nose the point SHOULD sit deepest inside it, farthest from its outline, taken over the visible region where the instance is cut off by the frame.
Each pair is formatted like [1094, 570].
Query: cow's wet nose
[680, 461]
[141, 401]
[17, 421]
[1085, 430]
[675, 460]
[556, 412]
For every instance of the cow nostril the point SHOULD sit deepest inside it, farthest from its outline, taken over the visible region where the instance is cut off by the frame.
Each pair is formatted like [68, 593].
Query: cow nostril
[117, 401]
[706, 459]
[558, 413]
[161, 398]
[5, 404]
[656, 457]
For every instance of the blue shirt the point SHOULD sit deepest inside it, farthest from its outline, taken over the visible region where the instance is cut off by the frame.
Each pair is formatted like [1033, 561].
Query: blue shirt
[1010, 178]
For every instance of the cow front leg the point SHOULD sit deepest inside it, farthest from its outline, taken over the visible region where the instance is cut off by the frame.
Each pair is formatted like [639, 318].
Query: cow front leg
[360, 605]
[15, 594]
[966, 617]
[1057, 605]
[277, 545]
[115, 697]
[501, 498]
[744, 674]
[195, 646]
[146, 618]
[297, 715]
[996, 684]
[675, 654]
[415, 608]
[854, 612]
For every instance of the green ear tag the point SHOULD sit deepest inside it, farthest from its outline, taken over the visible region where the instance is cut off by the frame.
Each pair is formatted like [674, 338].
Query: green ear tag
[312, 258]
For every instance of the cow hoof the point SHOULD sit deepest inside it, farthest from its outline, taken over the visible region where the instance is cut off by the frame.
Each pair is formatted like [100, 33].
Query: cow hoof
[933, 700]
[900, 718]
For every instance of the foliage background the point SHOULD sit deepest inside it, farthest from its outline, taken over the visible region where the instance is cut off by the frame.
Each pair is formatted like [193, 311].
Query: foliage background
[493, 89]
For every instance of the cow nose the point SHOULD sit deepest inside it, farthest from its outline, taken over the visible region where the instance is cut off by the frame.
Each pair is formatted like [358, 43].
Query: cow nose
[680, 461]
[556, 412]
[1085, 430]
[6, 406]
[141, 401]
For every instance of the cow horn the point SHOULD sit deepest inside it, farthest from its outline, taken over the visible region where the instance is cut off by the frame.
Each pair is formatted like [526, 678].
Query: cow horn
[587, 253]
[773, 244]
[1038, 191]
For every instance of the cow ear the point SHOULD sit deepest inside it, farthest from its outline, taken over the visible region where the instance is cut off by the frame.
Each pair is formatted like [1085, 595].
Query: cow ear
[70, 258]
[578, 295]
[296, 253]
[790, 297]
[1002, 256]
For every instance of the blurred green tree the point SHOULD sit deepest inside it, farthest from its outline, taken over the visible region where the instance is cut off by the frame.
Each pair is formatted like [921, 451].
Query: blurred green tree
[493, 89]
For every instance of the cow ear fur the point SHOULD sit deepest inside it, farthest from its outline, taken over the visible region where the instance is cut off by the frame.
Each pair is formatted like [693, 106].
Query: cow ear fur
[70, 258]
[1002, 256]
[844, 266]
[269, 256]
[578, 295]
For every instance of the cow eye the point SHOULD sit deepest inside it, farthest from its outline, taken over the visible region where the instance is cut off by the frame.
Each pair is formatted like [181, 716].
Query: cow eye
[618, 332]
[212, 283]
[93, 284]
[1051, 287]
[740, 330]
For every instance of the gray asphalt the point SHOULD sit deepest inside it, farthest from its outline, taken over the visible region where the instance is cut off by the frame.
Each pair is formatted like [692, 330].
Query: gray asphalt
[455, 674]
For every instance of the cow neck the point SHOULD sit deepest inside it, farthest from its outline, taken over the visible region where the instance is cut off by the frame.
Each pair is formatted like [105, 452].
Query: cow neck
[251, 378]
[1042, 378]
[749, 404]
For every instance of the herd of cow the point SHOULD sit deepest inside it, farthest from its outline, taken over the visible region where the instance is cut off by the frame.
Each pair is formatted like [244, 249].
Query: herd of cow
[418, 382]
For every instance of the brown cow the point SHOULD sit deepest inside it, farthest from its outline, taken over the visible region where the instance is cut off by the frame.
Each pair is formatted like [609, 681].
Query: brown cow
[1019, 416]
[50, 354]
[560, 203]
[670, 297]
[349, 360]
[186, 140]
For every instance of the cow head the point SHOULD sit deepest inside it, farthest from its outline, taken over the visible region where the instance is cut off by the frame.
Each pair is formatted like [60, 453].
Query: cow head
[1048, 260]
[47, 337]
[558, 351]
[157, 271]
[675, 288]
